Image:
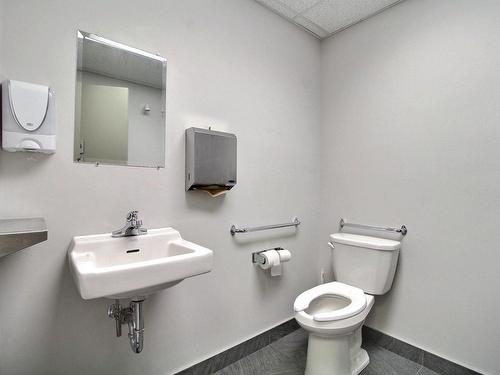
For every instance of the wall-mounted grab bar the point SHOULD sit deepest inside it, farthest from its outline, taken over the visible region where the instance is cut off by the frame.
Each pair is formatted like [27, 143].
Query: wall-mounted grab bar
[234, 229]
[403, 230]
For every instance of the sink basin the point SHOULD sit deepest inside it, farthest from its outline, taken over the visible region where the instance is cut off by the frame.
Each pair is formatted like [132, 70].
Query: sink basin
[127, 267]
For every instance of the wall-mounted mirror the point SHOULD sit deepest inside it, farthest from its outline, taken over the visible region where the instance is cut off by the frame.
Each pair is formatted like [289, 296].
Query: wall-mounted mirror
[120, 104]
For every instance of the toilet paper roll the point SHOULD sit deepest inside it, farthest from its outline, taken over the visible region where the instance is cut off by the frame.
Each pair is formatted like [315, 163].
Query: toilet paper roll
[272, 258]
[285, 255]
[276, 270]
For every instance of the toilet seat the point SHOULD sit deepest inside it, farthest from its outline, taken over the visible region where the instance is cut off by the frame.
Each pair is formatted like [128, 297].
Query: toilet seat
[353, 294]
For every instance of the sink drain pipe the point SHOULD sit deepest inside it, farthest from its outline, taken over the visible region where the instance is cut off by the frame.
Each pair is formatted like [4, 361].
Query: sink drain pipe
[133, 316]
[136, 326]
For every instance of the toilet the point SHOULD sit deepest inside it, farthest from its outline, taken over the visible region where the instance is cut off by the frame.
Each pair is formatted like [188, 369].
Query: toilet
[333, 313]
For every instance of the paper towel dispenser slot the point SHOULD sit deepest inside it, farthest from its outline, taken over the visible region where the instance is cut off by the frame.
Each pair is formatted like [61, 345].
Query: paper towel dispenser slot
[210, 160]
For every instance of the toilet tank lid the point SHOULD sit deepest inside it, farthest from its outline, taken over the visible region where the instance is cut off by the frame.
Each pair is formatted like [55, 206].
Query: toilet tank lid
[365, 241]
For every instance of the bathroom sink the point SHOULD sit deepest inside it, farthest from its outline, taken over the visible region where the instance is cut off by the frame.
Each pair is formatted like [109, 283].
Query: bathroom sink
[127, 267]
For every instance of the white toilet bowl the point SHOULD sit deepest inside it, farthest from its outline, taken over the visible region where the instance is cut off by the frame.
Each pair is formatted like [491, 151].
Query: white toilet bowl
[333, 315]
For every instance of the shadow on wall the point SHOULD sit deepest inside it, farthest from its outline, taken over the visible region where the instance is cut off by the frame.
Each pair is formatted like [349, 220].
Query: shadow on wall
[22, 163]
[386, 299]
[266, 282]
[265, 237]
[1, 113]
[68, 305]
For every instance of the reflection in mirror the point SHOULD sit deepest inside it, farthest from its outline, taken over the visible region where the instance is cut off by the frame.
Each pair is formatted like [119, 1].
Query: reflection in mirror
[120, 104]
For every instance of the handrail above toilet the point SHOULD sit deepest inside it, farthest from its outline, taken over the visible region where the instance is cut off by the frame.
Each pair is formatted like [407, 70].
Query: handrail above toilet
[234, 229]
[403, 230]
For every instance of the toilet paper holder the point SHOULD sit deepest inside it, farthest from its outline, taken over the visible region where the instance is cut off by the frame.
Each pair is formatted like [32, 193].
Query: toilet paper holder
[257, 258]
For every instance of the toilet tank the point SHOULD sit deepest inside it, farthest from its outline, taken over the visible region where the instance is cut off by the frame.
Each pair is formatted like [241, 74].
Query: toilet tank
[368, 263]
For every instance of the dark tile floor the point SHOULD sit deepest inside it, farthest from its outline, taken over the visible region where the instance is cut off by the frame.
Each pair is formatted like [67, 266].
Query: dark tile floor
[287, 356]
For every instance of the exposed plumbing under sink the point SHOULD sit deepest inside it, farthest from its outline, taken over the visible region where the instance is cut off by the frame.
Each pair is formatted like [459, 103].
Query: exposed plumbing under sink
[133, 316]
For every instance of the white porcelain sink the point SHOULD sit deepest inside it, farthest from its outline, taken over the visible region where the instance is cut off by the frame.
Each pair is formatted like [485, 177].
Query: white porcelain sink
[126, 267]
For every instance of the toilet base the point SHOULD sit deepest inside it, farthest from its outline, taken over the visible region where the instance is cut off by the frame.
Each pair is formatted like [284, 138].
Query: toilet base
[360, 362]
[337, 355]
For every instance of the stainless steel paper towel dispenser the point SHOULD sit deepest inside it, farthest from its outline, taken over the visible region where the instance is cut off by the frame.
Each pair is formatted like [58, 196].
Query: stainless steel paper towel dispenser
[210, 160]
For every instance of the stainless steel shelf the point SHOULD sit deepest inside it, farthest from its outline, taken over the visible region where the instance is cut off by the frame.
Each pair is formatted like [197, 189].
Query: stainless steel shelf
[18, 234]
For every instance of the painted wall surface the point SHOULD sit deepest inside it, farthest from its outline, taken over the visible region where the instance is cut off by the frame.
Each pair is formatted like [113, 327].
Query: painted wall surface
[409, 113]
[411, 136]
[232, 65]
[1, 34]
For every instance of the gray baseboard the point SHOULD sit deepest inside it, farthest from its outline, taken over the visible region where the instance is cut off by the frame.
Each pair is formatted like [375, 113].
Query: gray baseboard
[431, 361]
[224, 359]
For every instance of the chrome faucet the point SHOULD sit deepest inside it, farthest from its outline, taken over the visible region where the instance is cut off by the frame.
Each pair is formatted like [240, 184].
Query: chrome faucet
[133, 226]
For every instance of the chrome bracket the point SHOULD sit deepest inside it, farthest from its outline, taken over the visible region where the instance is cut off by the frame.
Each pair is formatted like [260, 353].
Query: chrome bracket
[257, 258]
[133, 316]
[120, 315]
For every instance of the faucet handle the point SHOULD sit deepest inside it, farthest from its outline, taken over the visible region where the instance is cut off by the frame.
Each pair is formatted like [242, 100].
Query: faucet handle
[132, 216]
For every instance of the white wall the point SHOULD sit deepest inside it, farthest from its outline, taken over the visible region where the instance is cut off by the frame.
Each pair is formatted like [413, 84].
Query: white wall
[1, 34]
[232, 65]
[412, 136]
[410, 127]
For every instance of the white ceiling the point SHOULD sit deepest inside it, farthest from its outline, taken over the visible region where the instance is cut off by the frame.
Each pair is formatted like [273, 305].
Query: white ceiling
[326, 17]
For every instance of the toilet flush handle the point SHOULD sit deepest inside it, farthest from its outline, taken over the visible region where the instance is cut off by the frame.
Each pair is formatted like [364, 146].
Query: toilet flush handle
[331, 245]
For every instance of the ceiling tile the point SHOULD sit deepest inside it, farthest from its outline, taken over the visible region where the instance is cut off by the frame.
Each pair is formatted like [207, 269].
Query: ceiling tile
[300, 5]
[318, 16]
[278, 7]
[311, 26]
[333, 15]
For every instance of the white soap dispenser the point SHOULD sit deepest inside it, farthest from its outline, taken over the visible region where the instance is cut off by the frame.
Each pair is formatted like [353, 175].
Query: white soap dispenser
[28, 117]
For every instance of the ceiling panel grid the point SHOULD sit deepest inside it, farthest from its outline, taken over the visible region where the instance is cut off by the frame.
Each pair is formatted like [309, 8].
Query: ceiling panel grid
[324, 18]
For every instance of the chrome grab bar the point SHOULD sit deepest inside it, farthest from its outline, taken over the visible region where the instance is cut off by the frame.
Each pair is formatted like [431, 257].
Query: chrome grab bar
[234, 229]
[403, 230]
